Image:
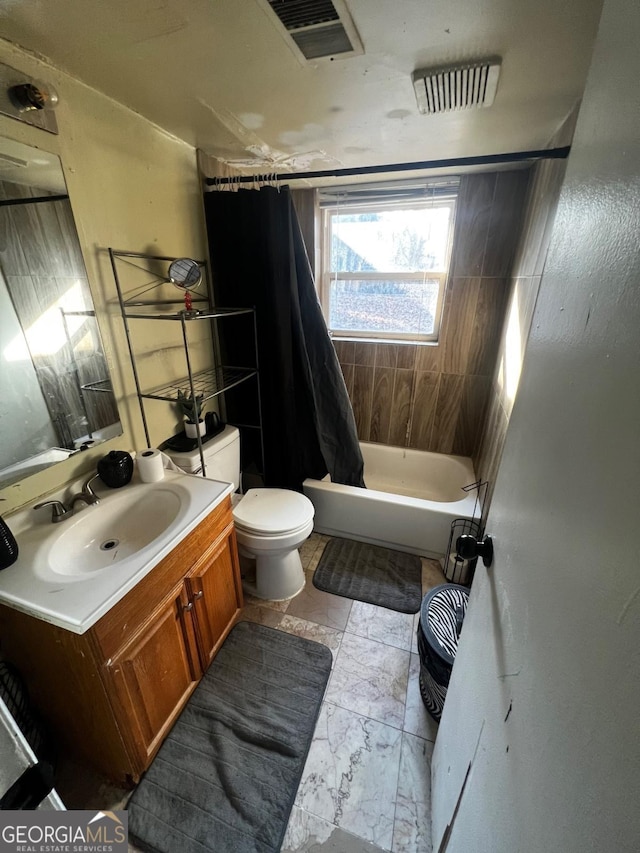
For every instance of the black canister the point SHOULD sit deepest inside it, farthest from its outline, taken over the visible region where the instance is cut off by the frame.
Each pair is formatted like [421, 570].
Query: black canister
[8, 546]
[116, 468]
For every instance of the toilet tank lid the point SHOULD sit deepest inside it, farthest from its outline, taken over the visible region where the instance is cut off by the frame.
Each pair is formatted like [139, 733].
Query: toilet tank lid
[273, 510]
[210, 447]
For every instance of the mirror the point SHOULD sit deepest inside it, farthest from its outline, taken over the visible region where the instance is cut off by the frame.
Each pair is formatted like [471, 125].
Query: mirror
[186, 274]
[56, 397]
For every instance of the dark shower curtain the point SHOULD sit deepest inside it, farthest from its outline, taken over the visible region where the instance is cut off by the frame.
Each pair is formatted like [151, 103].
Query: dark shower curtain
[258, 259]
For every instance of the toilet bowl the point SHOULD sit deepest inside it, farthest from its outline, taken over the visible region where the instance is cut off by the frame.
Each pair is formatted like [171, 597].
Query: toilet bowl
[270, 524]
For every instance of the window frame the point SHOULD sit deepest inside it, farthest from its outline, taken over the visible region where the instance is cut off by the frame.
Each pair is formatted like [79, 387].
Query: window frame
[326, 276]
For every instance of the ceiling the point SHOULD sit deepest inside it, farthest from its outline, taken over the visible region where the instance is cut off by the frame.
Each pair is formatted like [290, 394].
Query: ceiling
[220, 74]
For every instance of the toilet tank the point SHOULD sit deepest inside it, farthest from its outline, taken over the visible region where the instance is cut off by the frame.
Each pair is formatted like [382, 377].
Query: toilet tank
[221, 457]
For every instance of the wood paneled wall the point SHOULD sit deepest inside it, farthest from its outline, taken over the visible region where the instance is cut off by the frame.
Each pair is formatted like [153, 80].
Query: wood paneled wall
[434, 396]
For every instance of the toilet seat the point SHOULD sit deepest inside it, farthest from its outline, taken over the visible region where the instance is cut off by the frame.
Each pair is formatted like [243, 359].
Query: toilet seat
[272, 537]
[272, 512]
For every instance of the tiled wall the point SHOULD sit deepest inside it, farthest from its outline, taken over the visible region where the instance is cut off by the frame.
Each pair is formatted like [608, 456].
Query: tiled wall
[434, 397]
[542, 199]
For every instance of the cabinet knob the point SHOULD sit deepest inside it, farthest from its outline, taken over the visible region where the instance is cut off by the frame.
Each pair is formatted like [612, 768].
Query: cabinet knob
[188, 606]
[198, 595]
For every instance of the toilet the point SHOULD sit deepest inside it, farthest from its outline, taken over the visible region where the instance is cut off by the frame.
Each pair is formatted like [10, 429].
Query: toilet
[271, 524]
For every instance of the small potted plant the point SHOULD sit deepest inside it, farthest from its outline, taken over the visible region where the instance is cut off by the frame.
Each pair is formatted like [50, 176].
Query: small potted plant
[191, 408]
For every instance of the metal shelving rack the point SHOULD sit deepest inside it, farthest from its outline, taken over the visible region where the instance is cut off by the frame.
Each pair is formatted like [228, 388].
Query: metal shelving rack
[209, 383]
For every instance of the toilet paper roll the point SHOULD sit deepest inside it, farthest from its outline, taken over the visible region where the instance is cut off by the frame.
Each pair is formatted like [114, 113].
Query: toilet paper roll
[457, 570]
[150, 465]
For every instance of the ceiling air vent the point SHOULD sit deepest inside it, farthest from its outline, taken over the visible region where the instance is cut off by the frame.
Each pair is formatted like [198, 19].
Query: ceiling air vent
[317, 29]
[464, 87]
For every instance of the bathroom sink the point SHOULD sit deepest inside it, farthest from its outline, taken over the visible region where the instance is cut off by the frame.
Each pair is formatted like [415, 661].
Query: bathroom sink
[104, 534]
[73, 572]
[111, 534]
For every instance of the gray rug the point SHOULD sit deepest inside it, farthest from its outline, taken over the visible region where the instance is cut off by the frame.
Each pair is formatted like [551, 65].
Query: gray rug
[226, 777]
[370, 573]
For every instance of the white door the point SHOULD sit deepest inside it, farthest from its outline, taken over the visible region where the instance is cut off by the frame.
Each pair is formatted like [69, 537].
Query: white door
[539, 745]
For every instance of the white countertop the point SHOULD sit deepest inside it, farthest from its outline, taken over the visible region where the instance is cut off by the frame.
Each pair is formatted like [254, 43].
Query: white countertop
[78, 603]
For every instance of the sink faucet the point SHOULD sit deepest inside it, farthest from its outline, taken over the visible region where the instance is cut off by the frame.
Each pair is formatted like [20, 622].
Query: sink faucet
[86, 494]
[60, 512]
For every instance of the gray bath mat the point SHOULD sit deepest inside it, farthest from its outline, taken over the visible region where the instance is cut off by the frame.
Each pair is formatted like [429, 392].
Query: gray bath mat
[370, 573]
[226, 777]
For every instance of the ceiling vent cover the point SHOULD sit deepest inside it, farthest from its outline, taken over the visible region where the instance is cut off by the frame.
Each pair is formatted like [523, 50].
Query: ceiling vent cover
[463, 87]
[318, 28]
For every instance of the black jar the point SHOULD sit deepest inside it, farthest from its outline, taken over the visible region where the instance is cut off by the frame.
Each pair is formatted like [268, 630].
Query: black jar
[116, 468]
[8, 546]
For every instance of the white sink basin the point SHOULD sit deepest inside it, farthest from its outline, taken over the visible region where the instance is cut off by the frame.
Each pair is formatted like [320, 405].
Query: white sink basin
[109, 532]
[73, 572]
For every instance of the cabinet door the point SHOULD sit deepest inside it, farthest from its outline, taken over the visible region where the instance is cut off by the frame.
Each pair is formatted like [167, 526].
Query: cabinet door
[154, 674]
[214, 587]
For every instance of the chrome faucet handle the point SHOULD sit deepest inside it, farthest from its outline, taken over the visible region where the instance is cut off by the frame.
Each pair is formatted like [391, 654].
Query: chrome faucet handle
[58, 510]
[89, 480]
[88, 491]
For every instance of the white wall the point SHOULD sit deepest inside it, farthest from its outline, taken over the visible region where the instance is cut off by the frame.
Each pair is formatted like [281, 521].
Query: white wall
[133, 187]
[542, 716]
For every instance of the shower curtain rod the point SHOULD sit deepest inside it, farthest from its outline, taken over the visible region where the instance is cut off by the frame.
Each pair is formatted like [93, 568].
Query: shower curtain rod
[421, 165]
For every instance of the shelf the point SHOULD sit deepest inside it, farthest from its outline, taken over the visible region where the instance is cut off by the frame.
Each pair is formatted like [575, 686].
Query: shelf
[139, 303]
[143, 256]
[209, 383]
[211, 314]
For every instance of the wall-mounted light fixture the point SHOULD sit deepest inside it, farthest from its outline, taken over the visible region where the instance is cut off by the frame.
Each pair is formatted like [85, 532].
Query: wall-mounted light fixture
[33, 96]
[27, 99]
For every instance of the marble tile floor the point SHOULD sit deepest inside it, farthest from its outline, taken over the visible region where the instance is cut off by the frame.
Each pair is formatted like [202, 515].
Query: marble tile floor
[367, 780]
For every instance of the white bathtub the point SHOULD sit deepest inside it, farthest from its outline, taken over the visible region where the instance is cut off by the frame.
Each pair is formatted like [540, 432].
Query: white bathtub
[411, 498]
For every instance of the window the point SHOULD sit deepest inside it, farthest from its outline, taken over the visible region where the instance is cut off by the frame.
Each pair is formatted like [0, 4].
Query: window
[384, 268]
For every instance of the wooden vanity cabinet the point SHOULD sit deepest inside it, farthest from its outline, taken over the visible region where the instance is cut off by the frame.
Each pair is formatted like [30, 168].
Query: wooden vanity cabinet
[114, 692]
[213, 589]
[150, 677]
